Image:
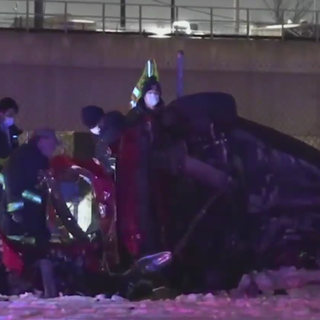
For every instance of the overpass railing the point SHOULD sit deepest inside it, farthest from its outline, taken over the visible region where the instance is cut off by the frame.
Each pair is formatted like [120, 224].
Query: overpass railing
[159, 20]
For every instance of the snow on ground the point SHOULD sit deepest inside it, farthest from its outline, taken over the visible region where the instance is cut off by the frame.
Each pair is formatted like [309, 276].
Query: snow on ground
[191, 306]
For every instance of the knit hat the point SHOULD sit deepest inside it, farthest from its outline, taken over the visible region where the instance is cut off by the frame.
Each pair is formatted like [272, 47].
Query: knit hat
[91, 115]
[150, 84]
[8, 103]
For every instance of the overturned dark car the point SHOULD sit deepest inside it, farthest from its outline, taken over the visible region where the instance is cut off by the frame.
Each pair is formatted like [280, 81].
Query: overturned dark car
[236, 196]
[265, 217]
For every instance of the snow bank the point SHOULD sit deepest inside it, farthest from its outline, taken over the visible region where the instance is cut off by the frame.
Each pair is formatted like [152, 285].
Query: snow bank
[190, 306]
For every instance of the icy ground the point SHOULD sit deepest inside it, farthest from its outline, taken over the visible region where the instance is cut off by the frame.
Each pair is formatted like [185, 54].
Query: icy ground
[191, 306]
[301, 302]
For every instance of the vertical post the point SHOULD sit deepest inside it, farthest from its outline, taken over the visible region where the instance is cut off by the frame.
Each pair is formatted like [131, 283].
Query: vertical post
[180, 69]
[103, 17]
[211, 23]
[38, 14]
[140, 18]
[17, 19]
[65, 17]
[27, 14]
[173, 12]
[282, 27]
[123, 14]
[236, 6]
[317, 26]
[248, 23]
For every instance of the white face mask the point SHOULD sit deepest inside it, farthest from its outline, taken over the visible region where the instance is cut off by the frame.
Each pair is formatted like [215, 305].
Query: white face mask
[8, 121]
[95, 130]
[151, 99]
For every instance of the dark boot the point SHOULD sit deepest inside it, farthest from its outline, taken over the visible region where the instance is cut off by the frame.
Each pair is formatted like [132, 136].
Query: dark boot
[17, 285]
[47, 274]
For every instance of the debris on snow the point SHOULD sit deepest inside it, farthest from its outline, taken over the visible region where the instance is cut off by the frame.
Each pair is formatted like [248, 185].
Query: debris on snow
[283, 279]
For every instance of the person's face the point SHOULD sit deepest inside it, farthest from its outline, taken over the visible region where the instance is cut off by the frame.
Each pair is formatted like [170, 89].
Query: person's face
[96, 130]
[8, 117]
[152, 98]
[47, 146]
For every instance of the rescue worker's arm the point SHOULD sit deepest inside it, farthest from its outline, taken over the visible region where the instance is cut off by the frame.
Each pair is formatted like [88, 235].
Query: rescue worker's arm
[4, 149]
[111, 131]
[21, 179]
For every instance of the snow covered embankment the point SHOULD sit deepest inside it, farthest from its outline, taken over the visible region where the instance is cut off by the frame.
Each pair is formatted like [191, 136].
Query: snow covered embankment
[191, 306]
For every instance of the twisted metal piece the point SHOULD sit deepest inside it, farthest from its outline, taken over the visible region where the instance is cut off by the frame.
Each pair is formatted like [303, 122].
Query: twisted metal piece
[62, 210]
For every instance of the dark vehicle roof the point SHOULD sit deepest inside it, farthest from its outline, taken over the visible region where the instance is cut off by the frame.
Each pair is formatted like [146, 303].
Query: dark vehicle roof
[219, 106]
[222, 108]
[281, 141]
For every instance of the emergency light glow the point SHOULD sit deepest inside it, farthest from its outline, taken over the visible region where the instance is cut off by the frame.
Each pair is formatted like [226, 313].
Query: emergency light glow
[28, 195]
[82, 212]
[2, 181]
[14, 206]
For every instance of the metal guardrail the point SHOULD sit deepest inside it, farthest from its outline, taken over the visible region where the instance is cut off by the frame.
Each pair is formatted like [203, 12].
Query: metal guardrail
[154, 20]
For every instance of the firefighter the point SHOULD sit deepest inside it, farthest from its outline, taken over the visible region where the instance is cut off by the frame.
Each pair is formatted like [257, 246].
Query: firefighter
[8, 111]
[149, 103]
[107, 129]
[23, 201]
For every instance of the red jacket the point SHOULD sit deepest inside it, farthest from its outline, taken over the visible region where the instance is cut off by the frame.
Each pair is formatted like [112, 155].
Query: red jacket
[140, 211]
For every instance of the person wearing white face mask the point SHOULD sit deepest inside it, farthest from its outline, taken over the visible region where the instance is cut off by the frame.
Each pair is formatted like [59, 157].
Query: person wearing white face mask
[152, 99]
[107, 129]
[92, 118]
[151, 95]
[8, 111]
[138, 186]
[149, 103]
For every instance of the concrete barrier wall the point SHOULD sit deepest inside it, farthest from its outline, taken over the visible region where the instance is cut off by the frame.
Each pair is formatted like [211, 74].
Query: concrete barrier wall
[53, 75]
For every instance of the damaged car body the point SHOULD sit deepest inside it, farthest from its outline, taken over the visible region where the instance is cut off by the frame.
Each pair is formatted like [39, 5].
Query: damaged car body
[237, 197]
[266, 217]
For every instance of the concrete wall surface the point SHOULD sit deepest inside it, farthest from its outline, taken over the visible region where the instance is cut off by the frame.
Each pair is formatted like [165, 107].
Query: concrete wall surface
[53, 75]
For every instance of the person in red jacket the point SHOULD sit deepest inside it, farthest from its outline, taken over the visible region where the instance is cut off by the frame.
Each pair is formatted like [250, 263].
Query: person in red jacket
[138, 186]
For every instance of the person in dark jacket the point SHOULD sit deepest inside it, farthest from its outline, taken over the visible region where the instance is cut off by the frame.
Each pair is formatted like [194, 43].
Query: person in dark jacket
[138, 182]
[107, 129]
[8, 110]
[24, 202]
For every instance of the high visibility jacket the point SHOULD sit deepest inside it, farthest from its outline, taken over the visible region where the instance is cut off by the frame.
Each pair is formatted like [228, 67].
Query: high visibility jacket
[19, 181]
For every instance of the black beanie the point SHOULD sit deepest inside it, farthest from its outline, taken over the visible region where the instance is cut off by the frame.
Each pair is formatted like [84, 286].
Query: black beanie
[91, 115]
[8, 103]
[151, 82]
